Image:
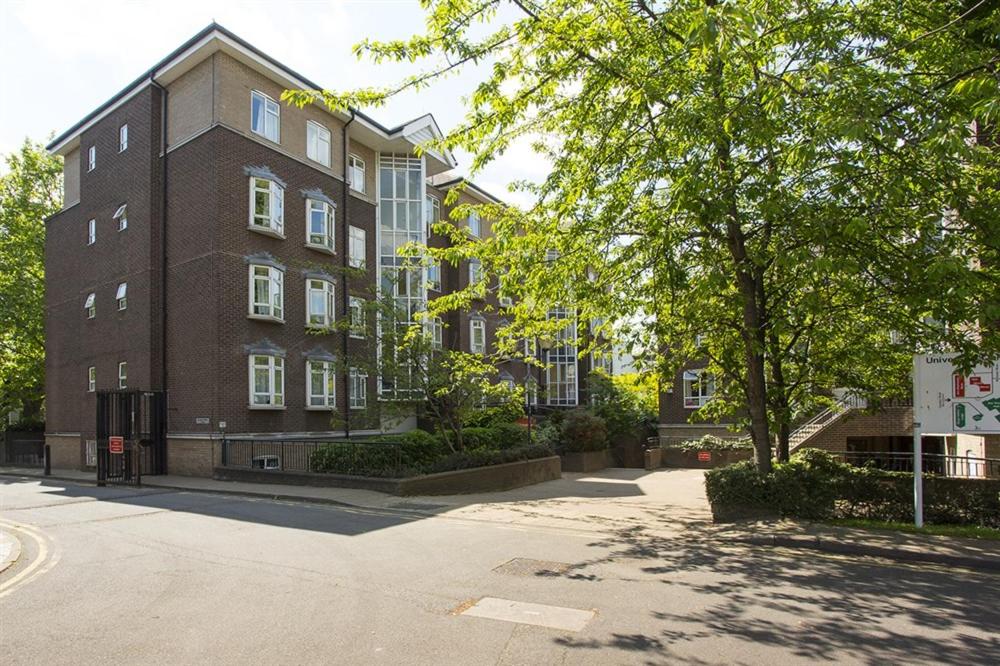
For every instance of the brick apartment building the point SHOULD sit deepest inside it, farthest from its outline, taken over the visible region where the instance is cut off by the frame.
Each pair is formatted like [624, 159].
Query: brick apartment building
[209, 237]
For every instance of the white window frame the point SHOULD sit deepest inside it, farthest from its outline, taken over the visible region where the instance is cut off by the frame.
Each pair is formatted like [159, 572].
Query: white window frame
[123, 138]
[358, 398]
[90, 305]
[356, 171]
[475, 272]
[434, 275]
[432, 212]
[274, 396]
[271, 222]
[506, 302]
[357, 256]
[122, 216]
[325, 290]
[91, 379]
[326, 400]
[269, 110]
[359, 325]
[704, 382]
[122, 296]
[91, 232]
[122, 375]
[91, 158]
[474, 216]
[273, 308]
[477, 327]
[326, 238]
[437, 333]
[318, 143]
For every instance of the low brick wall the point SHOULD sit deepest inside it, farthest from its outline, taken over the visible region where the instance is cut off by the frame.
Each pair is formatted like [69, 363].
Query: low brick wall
[193, 457]
[888, 422]
[587, 461]
[673, 457]
[66, 451]
[459, 482]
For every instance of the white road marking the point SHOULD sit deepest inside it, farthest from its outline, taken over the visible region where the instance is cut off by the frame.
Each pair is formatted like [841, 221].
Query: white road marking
[522, 612]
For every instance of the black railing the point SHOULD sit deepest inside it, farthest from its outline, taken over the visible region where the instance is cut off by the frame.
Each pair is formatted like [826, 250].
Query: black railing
[933, 463]
[359, 458]
[22, 448]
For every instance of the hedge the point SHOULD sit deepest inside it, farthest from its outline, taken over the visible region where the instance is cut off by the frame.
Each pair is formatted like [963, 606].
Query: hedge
[485, 458]
[713, 443]
[815, 486]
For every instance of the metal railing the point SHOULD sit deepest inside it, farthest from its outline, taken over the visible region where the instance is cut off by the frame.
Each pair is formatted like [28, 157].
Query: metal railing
[24, 449]
[933, 463]
[360, 458]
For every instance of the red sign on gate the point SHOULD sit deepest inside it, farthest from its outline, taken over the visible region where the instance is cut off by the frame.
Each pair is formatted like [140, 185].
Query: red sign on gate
[116, 444]
[704, 456]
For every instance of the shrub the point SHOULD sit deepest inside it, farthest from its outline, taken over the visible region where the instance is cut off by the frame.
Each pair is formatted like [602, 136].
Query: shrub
[815, 486]
[548, 434]
[496, 415]
[583, 431]
[417, 447]
[713, 443]
[624, 406]
[502, 436]
[381, 459]
[485, 457]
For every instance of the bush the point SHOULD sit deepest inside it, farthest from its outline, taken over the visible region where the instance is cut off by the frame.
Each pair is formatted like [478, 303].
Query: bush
[503, 436]
[713, 443]
[417, 447]
[815, 486]
[497, 415]
[624, 406]
[485, 457]
[583, 431]
[369, 458]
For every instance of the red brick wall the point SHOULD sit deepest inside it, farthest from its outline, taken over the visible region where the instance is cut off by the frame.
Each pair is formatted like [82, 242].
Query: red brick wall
[892, 421]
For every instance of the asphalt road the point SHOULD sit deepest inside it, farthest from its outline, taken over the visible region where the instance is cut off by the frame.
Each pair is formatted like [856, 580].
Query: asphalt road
[112, 575]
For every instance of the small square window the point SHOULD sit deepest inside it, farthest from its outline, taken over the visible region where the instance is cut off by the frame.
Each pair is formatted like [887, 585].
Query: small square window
[90, 305]
[91, 379]
[91, 158]
[121, 296]
[122, 138]
[123, 375]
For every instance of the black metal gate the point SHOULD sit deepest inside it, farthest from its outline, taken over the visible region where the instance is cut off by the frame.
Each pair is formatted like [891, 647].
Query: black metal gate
[140, 419]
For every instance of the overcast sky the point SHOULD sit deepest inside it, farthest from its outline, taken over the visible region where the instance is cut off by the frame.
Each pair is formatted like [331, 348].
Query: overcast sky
[60, 60]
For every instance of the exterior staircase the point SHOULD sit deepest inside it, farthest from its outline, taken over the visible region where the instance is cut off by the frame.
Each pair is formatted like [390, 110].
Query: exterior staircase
[823, 420]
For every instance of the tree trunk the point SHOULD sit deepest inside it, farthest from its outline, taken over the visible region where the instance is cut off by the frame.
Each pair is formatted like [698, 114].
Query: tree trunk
[782, 415]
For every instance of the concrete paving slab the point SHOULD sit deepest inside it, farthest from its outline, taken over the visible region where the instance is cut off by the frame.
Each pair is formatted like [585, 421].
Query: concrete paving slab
[523, 612]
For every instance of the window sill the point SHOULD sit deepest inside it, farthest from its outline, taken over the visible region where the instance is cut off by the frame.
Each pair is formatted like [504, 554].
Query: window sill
[358, 408]
[319, 328]
[276, 142]
[357, 191]
[267, 408]
[360, 267]
[322, 248]
[266, 231]
[267, 318]
[313, 408]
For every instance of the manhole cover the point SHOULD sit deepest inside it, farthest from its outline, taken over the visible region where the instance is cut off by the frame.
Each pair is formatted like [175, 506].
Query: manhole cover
[522, 566]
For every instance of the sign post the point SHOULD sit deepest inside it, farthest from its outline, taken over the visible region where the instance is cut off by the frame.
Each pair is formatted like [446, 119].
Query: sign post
[949, 401]
[918, 449]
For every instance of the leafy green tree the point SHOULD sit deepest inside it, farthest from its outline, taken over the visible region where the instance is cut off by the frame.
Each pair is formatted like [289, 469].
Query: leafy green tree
[785, 181]
[30, 191]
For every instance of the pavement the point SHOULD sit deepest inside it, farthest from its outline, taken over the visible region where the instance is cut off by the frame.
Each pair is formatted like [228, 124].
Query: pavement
[617, 567]
[660, 503]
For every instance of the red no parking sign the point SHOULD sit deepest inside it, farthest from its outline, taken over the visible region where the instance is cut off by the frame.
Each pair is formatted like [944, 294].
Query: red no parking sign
[116, 444]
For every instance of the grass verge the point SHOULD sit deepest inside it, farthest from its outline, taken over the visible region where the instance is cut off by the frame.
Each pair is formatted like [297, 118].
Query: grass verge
[963, 531]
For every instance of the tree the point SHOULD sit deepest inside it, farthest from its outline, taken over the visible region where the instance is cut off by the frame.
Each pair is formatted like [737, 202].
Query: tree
[771, 176]
[30, 191]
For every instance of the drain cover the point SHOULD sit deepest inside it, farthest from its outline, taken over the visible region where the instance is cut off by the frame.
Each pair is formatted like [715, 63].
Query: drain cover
[522, 566]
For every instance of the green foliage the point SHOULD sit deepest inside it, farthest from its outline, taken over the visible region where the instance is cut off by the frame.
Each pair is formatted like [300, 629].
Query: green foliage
[503, 436]
[417, 448]
[549, 434]
[815, 486]
[30, 191]
[713, 443]
[583, 431]
[764, 178]
[624, 406]
[359, 459]
[508, 411]
[485, 457]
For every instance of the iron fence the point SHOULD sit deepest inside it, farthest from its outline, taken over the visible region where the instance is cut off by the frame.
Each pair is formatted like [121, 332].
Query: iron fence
[22, 448]
[933, 463]
[356, 457]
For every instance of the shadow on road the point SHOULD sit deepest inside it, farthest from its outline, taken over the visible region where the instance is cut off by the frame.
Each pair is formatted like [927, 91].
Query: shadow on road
[835, 607]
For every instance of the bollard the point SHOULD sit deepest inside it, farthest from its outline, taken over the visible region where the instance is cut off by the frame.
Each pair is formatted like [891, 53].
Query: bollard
[47, 455]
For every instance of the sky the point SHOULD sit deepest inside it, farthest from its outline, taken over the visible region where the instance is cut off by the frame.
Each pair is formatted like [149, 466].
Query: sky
[60, 60]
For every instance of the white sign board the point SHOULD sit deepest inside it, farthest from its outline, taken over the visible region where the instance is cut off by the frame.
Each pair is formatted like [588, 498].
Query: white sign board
[948, 401]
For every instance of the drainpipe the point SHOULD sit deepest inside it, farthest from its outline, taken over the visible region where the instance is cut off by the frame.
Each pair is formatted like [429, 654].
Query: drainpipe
[163, 234]
[344, 287]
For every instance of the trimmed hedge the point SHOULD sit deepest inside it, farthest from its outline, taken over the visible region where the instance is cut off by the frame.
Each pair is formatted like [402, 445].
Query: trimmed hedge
[815, 486]
[485, 458]
[713, 443]
[583, 431]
